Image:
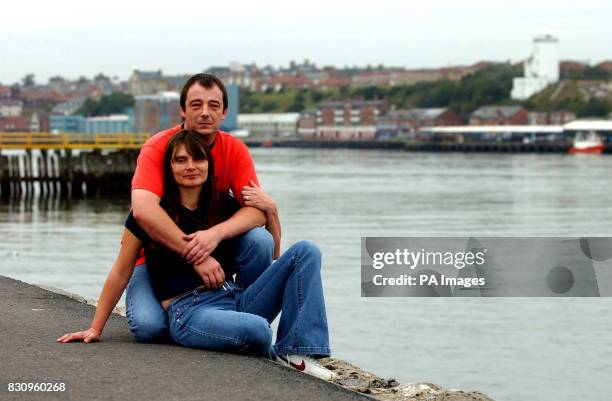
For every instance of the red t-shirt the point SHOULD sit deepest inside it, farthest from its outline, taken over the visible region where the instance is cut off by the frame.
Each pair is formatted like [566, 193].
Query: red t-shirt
[233, 163]
[234, 166]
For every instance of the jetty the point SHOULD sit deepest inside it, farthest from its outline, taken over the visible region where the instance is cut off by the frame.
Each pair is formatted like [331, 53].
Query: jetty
[118, 368]
[91, 165]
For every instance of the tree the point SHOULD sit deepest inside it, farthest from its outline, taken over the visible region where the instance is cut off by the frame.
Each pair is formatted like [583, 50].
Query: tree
[595, 107]
[28, 80]
[82, 80]
[114, 103]
[101, 77]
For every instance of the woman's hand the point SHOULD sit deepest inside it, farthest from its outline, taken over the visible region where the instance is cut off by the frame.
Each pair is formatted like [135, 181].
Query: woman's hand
[88, 336]
[254, 196]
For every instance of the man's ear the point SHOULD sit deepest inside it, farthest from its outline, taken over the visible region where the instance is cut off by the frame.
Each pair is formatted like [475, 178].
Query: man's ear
[182, 112]
[224, 114]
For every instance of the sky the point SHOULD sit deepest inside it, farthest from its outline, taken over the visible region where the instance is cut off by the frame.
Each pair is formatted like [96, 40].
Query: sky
[73, 38]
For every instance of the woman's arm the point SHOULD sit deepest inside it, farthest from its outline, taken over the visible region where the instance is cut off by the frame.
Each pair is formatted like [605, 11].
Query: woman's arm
[254, 196]
[113, 288]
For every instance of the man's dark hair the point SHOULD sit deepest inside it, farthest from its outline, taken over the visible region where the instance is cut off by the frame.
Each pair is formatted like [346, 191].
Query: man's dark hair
[207, 81]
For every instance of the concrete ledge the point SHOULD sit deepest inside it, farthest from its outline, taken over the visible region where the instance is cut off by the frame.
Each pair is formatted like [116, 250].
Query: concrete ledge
[118, 368]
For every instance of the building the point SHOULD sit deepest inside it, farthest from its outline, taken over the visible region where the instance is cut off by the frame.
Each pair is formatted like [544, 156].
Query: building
[407, 121]
[60, 123]
[230, 122]
[11, 108]
[6, 92]
[14, 124]
[269, 124]
[235, 74]
[550, 117]
[343, 133]
[499, 115]
[117, 123]
[152, 82]
[154, 113]
[70, 106]
[540, 69]
[371, 78]
[307, 123]
[351, 112]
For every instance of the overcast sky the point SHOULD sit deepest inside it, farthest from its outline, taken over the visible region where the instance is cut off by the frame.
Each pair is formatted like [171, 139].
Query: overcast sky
[72, 38]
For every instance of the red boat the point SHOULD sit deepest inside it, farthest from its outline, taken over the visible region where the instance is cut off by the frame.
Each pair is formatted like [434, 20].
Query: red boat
[587, 142]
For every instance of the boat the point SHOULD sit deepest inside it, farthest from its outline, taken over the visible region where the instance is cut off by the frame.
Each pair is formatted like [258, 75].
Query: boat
[587, 142]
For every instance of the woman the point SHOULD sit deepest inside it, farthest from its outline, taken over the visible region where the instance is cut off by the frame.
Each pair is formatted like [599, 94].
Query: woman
[229, 319]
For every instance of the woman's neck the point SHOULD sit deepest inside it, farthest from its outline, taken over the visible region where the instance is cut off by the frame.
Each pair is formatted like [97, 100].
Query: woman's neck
[190, 197]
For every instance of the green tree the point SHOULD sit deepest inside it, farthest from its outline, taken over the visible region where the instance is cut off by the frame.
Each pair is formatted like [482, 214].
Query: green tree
[595, 107]
[114, 103]
[28, 80]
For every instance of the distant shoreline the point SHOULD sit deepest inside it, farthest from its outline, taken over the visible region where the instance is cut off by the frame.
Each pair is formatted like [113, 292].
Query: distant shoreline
[415, 146]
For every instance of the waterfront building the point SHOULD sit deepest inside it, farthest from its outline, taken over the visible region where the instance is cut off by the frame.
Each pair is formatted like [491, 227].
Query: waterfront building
[343, 132]
[154, 113]
[307, 123]
[540, 69]
[404, 122]
[550, 117]
[268, 125]
[116, 123]
[499, 115]
[517, 133]
[59, 123]
[351, 112]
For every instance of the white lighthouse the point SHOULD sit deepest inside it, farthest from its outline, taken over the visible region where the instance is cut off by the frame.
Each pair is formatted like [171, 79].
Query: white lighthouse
[541, 68]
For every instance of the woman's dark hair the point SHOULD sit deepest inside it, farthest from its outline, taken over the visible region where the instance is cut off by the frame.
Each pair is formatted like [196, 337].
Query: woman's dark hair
[208, 204]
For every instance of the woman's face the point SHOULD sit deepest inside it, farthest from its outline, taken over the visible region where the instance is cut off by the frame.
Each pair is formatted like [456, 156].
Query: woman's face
[188, 171]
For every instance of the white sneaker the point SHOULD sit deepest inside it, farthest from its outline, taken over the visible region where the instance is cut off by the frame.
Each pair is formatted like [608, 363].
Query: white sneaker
[307, 365]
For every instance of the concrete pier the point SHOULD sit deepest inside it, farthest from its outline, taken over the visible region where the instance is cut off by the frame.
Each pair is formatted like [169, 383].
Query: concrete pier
[118, 368]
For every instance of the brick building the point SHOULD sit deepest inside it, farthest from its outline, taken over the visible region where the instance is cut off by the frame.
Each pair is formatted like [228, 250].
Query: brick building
[499, 115]
[351, 112]
[407, 121]
[153, 113]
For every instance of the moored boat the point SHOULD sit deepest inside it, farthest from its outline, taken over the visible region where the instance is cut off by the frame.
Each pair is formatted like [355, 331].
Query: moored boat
[587, 142]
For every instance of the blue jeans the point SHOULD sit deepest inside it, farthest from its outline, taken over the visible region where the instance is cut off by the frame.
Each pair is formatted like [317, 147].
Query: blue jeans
[147, 319]
[234, 319]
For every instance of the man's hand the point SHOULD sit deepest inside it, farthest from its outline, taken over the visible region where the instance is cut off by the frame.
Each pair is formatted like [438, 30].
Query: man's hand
[200, 246]
[254, 196]
[88, 336]
[211, 272]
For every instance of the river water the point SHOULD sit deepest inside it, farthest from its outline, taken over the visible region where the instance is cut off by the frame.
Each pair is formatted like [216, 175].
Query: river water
[509, 348]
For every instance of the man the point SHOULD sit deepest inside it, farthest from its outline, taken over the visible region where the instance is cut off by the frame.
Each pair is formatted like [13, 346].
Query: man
[203, 104]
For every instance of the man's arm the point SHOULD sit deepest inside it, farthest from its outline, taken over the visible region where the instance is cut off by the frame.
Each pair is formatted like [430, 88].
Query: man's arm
[202, 243]
[161, 228]
[254, 196]
[155, 221]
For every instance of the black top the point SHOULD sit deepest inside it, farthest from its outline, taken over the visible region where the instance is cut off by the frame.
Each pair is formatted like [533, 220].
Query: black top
[170, 273]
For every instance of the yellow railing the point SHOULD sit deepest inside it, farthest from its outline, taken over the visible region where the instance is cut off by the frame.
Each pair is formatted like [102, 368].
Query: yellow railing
[71, 141]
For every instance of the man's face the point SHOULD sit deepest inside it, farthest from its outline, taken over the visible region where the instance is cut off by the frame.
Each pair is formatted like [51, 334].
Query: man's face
[203, 109]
